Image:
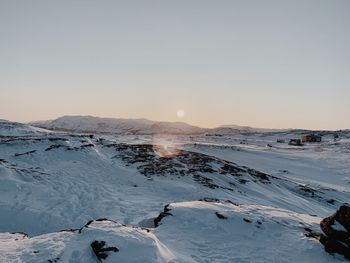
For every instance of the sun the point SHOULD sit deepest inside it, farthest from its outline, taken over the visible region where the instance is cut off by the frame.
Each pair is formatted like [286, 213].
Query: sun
[180, 113]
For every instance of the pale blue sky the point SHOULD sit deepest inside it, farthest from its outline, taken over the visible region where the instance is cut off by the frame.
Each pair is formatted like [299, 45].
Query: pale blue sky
[260, 63]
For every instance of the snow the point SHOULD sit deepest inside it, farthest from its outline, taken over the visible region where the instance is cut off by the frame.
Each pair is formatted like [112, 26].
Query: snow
[251, 233]
[51, 181]
[89, 124]
[192, 233]
[8, 128]
[134, 244]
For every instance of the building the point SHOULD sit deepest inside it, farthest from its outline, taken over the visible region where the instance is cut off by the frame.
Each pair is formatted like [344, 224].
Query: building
[311, 138]
[295, 142]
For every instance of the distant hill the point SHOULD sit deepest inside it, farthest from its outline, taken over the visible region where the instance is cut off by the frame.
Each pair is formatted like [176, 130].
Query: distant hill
[8, 128]
[236, 129]
[90, 124]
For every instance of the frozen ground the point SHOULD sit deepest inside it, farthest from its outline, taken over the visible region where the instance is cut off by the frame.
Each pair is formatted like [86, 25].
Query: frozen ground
[232, 198]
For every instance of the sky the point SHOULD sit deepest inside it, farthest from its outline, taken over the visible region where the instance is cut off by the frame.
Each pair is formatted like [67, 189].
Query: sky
[262, 63]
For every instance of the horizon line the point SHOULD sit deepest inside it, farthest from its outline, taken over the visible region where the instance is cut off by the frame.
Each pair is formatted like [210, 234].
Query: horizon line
[184, 122]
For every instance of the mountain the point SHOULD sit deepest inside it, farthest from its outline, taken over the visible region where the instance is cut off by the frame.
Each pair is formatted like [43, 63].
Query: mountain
[89, 124]
[8, 128]
[189, 199]
[236, 129]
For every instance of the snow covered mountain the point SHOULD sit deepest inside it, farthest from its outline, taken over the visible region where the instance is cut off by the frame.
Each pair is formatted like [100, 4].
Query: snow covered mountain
[89, 124]
[8, 128]
[67, 197]
[234, 129]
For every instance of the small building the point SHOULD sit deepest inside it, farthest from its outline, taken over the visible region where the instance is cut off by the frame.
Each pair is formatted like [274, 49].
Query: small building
[311, 138]
[295, 142]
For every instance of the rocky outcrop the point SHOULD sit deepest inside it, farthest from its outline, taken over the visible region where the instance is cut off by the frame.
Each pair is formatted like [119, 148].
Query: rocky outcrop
[337, 240]
[100, 249]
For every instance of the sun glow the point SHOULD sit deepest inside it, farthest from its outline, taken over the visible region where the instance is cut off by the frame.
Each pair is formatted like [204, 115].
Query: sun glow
[165, 151]
[180, 113]
[165, 148]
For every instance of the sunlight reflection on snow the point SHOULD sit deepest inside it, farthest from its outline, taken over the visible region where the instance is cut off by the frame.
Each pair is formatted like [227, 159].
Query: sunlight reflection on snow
[165, 148]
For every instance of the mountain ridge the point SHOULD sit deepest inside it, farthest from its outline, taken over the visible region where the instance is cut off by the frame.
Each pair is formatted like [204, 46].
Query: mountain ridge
[117, 125]
[143, 126]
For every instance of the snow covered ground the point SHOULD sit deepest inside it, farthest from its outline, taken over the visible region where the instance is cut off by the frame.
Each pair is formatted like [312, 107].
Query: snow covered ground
[238, 197]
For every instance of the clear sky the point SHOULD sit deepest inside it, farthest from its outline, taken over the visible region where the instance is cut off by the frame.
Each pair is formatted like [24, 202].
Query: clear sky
[262, 63]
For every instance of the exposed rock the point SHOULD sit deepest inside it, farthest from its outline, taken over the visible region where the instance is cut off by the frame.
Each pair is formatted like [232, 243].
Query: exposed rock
[334, 240]
[53, 260]
[185, 163]
[220, 216]
[54, 146]
[216, 200]
[19, 154]
[247, 220]
[163, 214]
[100, 249]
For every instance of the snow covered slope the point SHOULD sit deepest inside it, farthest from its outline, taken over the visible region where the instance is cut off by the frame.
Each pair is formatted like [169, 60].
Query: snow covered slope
[53, 181]
[8, 128]
[197, 231]
[131, 245]
[238, 233]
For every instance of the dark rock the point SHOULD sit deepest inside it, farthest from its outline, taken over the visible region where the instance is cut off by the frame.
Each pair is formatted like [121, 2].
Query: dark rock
[210, 200]
[330, 201]
[243, 181]
[185, 163]
[260, 175]
[312, 234]
[57, 139]
[99, 248]
[215, 200]
[53, 260]
[163, 214]
[87, 145]
[337, 241]
[26, 153]
[54, 146]
[220, 216]
[103, 219]
[71, 230]
[308, 190]
[90, 222]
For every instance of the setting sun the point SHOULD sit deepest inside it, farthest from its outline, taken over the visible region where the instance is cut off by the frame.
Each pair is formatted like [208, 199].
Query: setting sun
[180, 113]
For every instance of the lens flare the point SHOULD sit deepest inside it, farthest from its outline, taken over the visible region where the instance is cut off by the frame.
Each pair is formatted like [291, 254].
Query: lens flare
[165, 148]
[165, 151]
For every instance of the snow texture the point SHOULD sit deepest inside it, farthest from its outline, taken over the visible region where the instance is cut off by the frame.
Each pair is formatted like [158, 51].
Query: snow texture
[236, 197]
